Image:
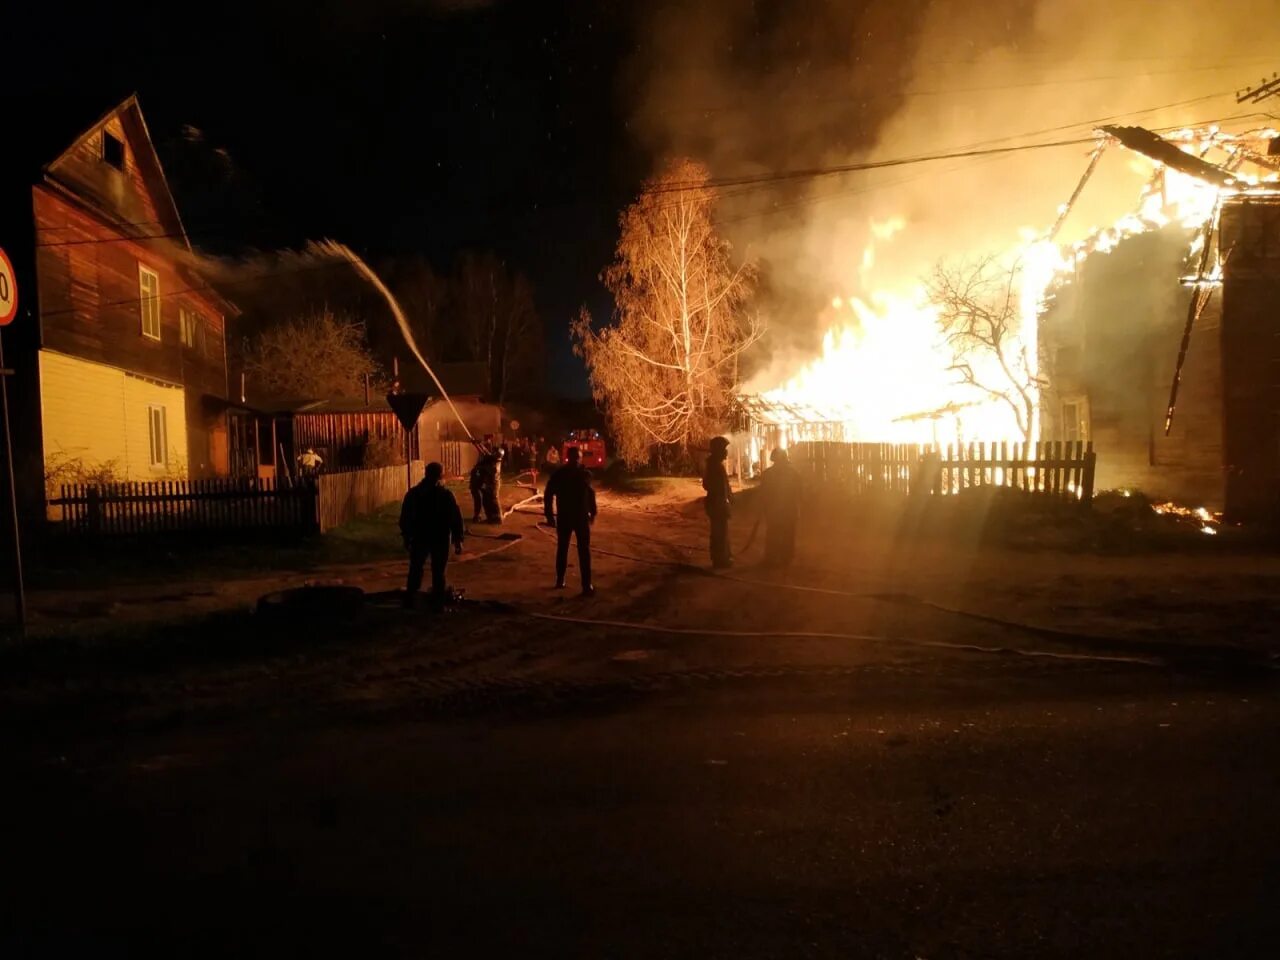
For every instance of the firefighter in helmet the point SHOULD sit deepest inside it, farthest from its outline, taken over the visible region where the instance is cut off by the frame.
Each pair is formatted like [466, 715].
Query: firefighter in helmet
[715, 480]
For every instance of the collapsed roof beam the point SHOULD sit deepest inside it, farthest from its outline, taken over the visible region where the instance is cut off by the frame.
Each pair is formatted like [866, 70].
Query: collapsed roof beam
[1143, 141]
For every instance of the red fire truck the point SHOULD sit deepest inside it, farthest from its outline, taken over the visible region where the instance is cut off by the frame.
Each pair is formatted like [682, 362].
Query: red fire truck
[590, 443]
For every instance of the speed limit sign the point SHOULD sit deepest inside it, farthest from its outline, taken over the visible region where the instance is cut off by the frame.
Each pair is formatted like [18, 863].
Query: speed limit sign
[8, 291]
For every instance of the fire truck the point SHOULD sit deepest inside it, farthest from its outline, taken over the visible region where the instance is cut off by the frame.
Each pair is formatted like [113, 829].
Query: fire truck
[591, 445]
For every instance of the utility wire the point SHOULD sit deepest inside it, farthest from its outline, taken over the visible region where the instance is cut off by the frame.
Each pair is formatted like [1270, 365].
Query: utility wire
[746, 183]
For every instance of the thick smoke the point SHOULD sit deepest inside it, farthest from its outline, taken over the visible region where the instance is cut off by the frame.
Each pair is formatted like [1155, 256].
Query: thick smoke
[769, 86]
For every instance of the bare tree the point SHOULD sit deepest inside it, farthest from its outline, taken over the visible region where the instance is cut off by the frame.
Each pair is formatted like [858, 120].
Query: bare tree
[978, 313]
[424, 295]
[666, 370]
[323, 355]
[498, 324]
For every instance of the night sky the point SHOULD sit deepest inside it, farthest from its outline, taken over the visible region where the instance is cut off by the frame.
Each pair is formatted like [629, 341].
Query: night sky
[396, 127]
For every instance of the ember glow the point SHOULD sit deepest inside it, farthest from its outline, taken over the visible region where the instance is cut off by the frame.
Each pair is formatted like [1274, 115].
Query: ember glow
[1208, 522]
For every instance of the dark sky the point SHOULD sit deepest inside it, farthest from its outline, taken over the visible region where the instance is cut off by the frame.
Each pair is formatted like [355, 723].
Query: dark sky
[396, 126]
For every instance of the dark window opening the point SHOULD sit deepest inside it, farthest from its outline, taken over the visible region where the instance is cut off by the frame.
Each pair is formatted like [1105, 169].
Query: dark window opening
[112, 150]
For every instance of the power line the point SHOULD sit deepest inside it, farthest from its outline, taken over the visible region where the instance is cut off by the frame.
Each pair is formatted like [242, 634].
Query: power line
[989, 88]
[781, 208]
[1263, 91]
[746, 184]
[813, 173]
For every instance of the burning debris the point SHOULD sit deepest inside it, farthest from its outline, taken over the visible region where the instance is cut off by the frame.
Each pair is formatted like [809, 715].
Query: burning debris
[1207, 522]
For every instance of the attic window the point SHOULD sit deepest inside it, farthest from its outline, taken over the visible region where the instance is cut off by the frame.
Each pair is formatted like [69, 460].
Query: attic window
[112, 150]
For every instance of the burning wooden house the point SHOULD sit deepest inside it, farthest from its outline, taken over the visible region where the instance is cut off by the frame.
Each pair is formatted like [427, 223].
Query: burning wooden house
[1177, 384]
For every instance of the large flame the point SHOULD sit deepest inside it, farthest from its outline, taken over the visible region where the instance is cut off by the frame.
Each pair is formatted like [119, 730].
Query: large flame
[885, 373]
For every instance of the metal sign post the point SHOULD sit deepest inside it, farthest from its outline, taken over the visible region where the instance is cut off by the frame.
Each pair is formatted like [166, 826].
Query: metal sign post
[9, 310]
[407, 407]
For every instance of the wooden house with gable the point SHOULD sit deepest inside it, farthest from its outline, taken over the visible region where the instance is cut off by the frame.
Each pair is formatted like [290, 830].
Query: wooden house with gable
[119, 347]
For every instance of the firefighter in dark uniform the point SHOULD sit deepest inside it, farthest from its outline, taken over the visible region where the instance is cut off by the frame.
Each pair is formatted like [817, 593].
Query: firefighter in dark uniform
[491, 486]
[570, 505]
[475, 483]
[780, 494]
[715, 480]
[429, 521]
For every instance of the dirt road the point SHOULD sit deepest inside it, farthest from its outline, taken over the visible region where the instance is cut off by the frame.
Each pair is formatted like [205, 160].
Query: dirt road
[828, 762]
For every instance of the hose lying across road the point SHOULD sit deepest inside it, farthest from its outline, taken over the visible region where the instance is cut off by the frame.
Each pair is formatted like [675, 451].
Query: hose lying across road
[822, 635]
[1146, 658]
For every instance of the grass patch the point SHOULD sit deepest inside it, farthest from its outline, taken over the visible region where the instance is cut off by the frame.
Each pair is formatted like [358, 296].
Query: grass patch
[78, 564]
[110, 561]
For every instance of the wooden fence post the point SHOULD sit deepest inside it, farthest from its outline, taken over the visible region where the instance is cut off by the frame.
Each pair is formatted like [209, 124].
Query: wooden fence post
[94, 510]
[1090, 465]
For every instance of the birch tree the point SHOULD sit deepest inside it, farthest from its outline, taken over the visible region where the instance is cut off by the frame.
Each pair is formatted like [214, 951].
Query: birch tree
[979, 317]
[667, 368]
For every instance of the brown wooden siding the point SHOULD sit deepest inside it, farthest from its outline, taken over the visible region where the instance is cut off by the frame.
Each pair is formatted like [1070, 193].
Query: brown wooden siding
[1113, 341]
[1251, 358]
[341, 437]
[90, 302]
[122, 193]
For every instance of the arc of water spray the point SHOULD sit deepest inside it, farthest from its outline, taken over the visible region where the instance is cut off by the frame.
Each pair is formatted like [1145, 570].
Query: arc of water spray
[332, 248]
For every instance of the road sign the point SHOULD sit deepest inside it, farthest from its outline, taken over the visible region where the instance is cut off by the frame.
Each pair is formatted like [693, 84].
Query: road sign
[407, 407]
[8, 291]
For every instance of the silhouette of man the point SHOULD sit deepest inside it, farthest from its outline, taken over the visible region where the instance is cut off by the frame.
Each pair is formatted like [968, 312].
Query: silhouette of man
[475, 482]
[570, 505]
[715, 480]
[429, 520]
[780, 494]
[491, 486]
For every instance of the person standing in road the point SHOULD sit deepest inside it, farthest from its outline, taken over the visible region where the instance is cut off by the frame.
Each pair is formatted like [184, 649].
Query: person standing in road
[429, 521]
[475, 483]
[491, 486]
[780, 496]
[570, 505]
[715, 480]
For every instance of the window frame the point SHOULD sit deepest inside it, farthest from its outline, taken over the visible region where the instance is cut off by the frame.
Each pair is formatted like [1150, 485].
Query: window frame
[158, 416]
[188, 322]
[146, 301]
[102, 150]
[1082, 426]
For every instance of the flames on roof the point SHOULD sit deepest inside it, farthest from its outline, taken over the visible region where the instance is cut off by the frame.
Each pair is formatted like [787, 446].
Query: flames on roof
[1152, 145]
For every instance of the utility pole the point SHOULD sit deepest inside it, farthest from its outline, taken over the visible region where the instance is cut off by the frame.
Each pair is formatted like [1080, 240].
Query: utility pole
[8, 311]
[1263, 91]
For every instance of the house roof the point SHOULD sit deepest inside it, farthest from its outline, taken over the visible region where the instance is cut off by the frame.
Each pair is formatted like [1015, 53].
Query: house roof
[47, 127]
[377, 404]
[43, 128]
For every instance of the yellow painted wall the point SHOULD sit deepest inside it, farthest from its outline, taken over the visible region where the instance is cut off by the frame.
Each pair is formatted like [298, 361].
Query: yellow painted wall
[95, 416]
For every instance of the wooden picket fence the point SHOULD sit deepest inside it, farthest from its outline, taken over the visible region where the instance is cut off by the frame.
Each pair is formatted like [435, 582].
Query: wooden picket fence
[186, 506]
[1058, 469]
[347, 495]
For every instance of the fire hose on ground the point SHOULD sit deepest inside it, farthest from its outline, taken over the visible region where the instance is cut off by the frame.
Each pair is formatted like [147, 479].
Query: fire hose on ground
[1049, 633]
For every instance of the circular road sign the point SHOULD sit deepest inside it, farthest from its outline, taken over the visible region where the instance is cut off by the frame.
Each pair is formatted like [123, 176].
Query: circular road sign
[8, 290]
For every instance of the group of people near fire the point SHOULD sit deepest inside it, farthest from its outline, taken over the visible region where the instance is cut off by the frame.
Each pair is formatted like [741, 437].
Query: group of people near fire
[432, 527]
